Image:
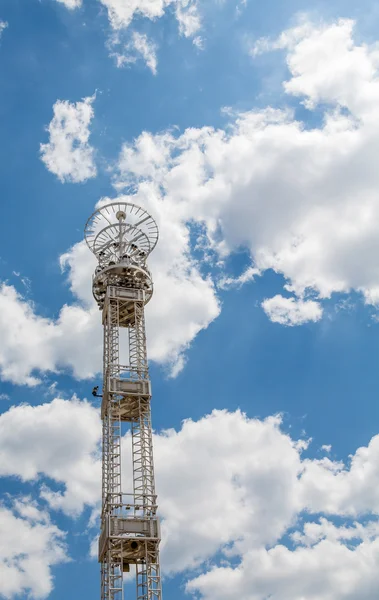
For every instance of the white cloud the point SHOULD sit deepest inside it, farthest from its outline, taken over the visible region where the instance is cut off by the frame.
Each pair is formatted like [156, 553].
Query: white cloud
[30, 344]
[336, 489]
[3, 25]
[21, 334]
[287, 39]
[229, 282]
[199, 42]
[139, 47]
[328, 571]
[188, 18]
[371, 296]
[326, 448]
[71, 4]
[290, 311]
[314, 532]
[29, 546]
[122, 12]
[326, 65]
[68, 154]
[58, 440]
[146, 49]
[81, 264]
[244, 484]
[226, 480]
[303, 201]
[352, 68]
[236, 485]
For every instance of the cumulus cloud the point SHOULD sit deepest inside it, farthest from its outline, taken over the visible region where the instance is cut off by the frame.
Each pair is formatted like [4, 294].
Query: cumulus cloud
[139, 47]
[188, 18]
[291, 311]
[58, 440]
[68, 154]
[329, 570]
[227, 480]
[302, 201]
[237, 485]
[128, 49]
[245, 485]
[71, 4]
[29, 546]
[31, 344]
[122, 12]
[17, 358]
[334, 488]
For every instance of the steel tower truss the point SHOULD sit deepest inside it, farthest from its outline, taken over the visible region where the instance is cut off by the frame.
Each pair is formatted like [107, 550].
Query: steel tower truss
[121, 235]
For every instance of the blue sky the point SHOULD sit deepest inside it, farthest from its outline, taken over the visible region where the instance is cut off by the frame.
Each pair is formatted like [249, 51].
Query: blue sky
[250, 132]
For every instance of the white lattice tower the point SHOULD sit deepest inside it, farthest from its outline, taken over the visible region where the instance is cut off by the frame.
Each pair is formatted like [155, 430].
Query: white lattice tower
[122, 235]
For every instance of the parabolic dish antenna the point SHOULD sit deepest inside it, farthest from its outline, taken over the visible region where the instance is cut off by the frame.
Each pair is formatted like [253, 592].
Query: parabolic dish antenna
[119, 229]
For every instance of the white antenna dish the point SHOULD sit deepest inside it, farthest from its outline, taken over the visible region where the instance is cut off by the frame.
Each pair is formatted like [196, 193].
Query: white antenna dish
[119, 229]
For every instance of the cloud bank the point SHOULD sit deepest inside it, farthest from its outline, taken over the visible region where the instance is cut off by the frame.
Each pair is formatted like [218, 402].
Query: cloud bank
[237, 485]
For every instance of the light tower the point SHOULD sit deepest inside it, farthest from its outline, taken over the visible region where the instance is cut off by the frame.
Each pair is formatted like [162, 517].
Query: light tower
[122, 235]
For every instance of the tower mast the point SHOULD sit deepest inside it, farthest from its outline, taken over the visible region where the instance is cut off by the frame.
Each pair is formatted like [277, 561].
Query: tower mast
[122, 235]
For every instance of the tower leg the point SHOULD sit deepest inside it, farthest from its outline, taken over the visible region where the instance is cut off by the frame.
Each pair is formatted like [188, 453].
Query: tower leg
[148, 577]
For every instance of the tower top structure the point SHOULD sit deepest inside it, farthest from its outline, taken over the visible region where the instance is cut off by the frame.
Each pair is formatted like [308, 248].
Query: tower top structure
[121, 235]
[120, 228]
